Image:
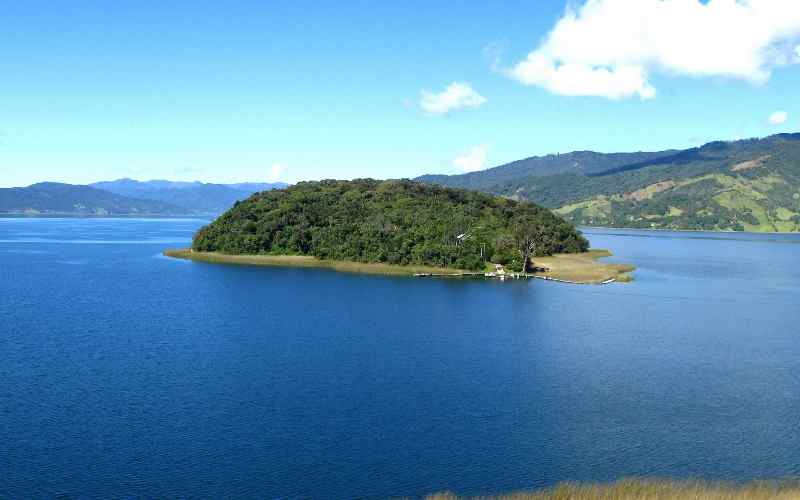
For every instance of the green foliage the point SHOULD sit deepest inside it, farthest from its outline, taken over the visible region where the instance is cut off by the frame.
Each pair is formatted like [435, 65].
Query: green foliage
[764, 197]
[392, 222]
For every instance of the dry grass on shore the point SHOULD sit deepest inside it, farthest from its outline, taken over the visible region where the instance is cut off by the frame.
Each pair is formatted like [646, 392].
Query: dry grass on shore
[305, 261]
[634, 489]
[584, 267]
[576, 268]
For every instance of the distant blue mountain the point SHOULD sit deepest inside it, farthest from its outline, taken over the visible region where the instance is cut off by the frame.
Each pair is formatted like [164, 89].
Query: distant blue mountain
[52, 198]
[197, 197]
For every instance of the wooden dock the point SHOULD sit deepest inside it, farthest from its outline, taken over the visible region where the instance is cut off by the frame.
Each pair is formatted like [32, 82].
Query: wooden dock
[476, 275]
[449, 275]
[549, 278]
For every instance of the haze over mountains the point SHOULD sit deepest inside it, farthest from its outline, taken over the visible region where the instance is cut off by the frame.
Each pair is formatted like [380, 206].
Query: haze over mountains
[126, 197]
[745, 185]
[53, 198]
[194, 196]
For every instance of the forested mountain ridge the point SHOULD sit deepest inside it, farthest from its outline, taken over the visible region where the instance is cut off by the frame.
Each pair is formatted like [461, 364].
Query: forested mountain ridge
[52, 198]
[197, 197]
[751, 185]
[394, 222]
[577, 162]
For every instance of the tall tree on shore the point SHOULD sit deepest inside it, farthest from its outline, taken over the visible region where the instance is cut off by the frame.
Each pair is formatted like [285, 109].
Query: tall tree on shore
[527, 234]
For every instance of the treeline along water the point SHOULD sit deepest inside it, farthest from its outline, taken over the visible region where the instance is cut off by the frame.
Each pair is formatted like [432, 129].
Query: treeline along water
[127, 374]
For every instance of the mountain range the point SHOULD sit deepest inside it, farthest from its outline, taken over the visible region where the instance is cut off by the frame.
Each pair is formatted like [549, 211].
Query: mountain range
[743, 185]
[197, 197]
[126, 197]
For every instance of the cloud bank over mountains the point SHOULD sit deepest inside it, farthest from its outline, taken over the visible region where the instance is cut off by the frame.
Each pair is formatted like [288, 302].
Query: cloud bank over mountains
[610, 48]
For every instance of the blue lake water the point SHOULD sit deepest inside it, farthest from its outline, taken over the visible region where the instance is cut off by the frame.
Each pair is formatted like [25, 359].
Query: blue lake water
[126, 374]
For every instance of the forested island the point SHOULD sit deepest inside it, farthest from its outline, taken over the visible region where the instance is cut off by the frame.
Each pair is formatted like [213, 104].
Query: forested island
[393, 222]
[398, 223]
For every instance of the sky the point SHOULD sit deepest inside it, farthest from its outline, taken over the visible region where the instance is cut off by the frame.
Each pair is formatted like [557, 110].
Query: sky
[302, 90]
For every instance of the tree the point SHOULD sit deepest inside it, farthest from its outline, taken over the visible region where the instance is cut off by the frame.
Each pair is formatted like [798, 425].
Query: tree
[527, 234]
[389, 221]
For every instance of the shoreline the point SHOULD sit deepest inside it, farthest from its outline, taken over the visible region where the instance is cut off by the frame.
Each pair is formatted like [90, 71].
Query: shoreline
[304, 261]
[584, 268]
[69, 215]
[211, 217]
[578, 269]
[710, 231]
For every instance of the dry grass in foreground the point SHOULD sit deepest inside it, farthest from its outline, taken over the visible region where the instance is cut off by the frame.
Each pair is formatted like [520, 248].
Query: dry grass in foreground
[631, 489]
[304, 261]
[584, 267]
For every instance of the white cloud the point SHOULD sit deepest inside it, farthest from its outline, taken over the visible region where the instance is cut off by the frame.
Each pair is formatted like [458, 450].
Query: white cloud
[778, 117]
[457, 95]
[797, 50]
[472, 160]
[276, 172]
[609, 48]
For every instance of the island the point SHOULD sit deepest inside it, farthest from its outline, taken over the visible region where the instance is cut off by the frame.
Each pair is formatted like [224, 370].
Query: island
[400, 227]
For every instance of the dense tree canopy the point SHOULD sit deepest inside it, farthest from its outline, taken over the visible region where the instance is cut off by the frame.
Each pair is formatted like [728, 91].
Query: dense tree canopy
[395, 222]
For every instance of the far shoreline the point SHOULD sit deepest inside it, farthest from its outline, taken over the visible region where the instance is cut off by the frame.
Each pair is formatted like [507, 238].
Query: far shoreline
[691, 231]
[580, 269]
[211, 217]
[68, 215]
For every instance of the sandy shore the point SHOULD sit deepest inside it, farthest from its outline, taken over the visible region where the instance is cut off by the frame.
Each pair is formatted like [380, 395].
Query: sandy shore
[584, 267]
[581, 268]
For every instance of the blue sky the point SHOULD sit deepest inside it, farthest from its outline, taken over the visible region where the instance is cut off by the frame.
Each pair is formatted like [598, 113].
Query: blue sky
[257, 91]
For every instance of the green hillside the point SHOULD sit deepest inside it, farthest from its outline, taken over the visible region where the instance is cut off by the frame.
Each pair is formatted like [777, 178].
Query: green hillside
[578, 163]
[748, 185]
[392, 222]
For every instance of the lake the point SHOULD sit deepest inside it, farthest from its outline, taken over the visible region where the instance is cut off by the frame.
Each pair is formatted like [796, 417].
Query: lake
[127, 374]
